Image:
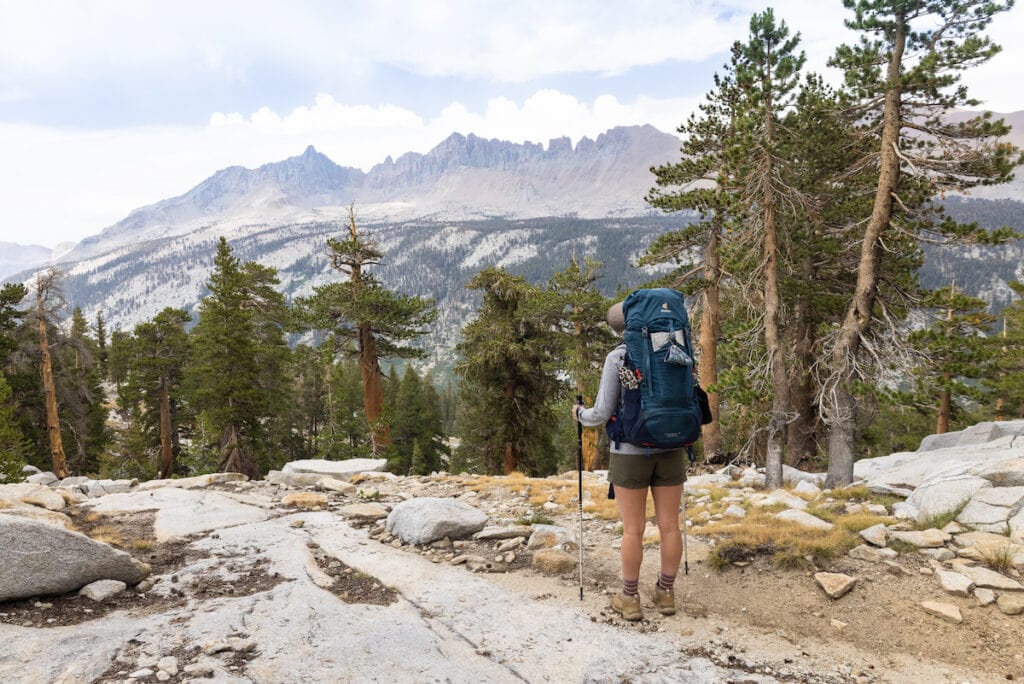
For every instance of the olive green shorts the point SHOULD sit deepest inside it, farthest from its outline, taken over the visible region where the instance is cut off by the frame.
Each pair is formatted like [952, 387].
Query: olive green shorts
[639, 471]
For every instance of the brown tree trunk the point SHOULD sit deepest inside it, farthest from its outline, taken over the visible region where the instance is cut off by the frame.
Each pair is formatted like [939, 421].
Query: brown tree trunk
[234, 457]
[166, 446]
[510, 456]
[57, 457]
[945, 409]
[373, 390]
[710, 321]
[801, 440]
[841, 409]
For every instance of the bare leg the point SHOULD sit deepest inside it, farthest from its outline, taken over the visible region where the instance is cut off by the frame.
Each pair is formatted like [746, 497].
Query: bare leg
[666, 507]
[632, 505]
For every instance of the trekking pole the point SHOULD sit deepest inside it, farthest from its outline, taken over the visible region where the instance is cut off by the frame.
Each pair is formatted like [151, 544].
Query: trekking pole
[579, 471]
[682, 502]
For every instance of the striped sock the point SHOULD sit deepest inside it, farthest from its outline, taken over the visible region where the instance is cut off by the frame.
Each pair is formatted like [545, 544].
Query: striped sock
[631, 587]
[665, 582]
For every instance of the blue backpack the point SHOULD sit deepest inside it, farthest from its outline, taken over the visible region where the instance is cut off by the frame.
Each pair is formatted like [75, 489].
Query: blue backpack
[660, 402]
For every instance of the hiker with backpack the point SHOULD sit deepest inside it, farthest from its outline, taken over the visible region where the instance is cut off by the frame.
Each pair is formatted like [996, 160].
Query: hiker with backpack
[648, 401]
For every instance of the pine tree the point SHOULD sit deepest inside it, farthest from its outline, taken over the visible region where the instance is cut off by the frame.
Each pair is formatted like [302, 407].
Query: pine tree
[509, 382]
[80, 394]
[378, 320]
[1006, 379]
[346, 433]
[904, 74]
[49, 299]
[956, 351]
[12, 443]
[101, 345]
[767, 73]
[587, 339]
[699, 182]
[155, 359]
[236, 380]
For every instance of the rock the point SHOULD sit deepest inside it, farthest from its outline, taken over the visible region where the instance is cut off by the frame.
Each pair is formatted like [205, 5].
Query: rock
[1007, 497]
[954, 583]
[981, 539]
[182, 512]
[337, 469]
[791, 474]
[46, 478]
[807, 488]
[734, 511]
[40, 515]
[805, 519]
[141, 673]
[427, 519]
[943, 610]
[940, 554]
[214, 647]
[554, 561]
[335, 485]
[836, 585]
[1011, 604]
[101, 590]
[838, 624]
[984, 517]
[922, 539]
[877, 535]
[984, 597]
[550, 506]
[168, 664]
[550, 536]
[895, 568]
[877, 509]
[942, 494]
[42, 559]
[781, 496]
[197, 482]
[296, 480]
[468, 558]
[496, 532]
[871, 553]
[364, 511]
[305, 500]
[983, 577]
[510, 544]
[1008, 472]
[29, 494]
[30, 470]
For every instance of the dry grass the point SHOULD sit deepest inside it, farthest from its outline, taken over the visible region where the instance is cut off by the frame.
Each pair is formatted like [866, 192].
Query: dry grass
[998, 557]
[562, 492]
[855, 493]
[143, 544]
[855, 522]
[108, 534]
[789, 544]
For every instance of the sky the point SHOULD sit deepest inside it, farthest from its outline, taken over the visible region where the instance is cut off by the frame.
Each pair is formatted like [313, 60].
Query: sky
[109, 105]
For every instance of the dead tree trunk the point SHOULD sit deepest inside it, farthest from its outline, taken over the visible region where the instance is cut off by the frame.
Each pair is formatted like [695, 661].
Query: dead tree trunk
[59, 460]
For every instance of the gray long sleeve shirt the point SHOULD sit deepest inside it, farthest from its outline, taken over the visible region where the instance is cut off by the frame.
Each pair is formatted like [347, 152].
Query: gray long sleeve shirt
[608, 401]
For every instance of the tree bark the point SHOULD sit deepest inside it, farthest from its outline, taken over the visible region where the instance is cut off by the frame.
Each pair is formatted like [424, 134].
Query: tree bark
[776, 444]
[710, 322]
[57, 456]
[234, 458]
[166, 446]
[945, 409]
[801, 440]
[842, 412]
[373, 390]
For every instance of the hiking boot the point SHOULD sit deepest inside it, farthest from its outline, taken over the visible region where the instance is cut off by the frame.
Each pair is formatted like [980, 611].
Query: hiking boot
[664, 601]
[627, 606]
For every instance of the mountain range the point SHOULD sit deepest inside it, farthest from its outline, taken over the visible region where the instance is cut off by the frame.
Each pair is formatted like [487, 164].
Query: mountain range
[439, 217]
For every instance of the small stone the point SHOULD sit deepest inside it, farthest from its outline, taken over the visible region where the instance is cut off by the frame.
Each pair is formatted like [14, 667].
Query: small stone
[240, 645]
[954, 583]
[101, 590]
[297, 523]
[985, 597]
[168, 664]
[510, 544]
[876, 535]
[216, 646]
[553, 561]
[162, 676]
[838, 624]
[940, 554]
[141, 674]
[735, 511]
[835, 584]
[1011, 603]
[870, 554]
[510, 557]
[943, 610]
[550, 506]
[926, 571]
[199, 669]
[922, 539]
[305, 500]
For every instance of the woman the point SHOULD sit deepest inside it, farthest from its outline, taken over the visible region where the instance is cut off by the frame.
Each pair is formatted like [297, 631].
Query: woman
[632, 471]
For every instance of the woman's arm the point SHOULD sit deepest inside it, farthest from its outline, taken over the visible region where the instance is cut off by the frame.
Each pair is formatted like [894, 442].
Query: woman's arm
[608, 392]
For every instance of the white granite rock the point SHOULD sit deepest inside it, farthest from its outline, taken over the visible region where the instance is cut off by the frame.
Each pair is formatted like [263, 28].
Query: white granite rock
[984, 597]
[101, 590]
[427, 519]
[945, 611]
[836, 585]
[983, 577]
[1011, 603]
[954, 583]
[805, 519]
[807, 488]
[930, 538]
[735, 511]
[877, 535]
[336, 469]
[44, 559]
[550, 536]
